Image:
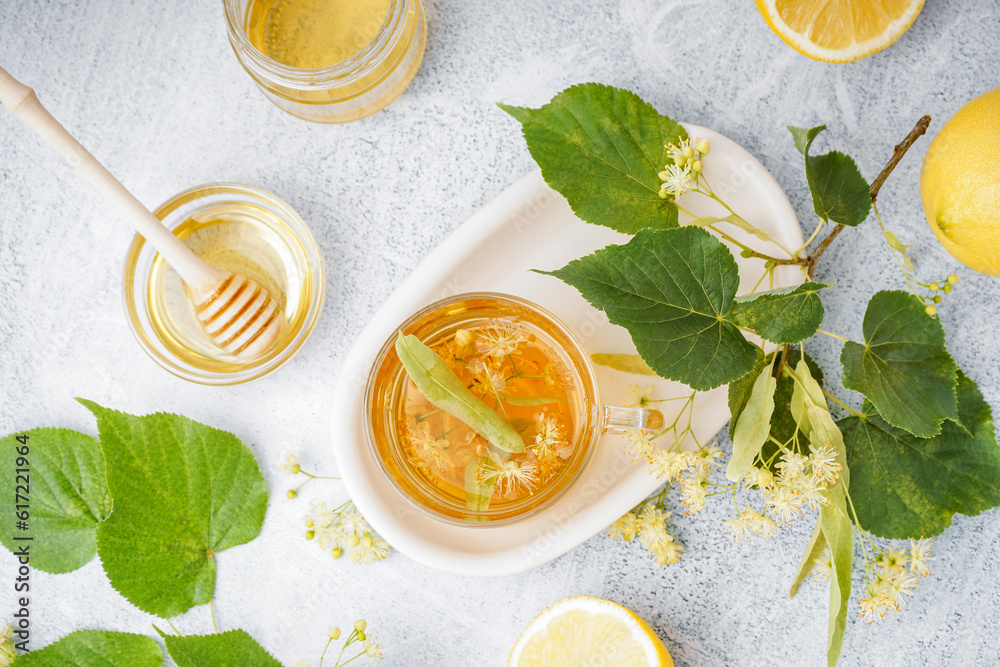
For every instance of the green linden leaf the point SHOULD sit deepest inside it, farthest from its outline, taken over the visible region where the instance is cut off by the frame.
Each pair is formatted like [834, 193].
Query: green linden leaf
[96, 648]
[806, 393]
[673, 289]
[740, 390]
[788, 315]
[840, 193]
[235, 648]
[783, 423]
[602, 148]
[68, 497]
[817, 543]
[183, 493]
[627, 363]
[834, 519]
[903, 367]
[437, 383]
[753, 425]
[908, 487]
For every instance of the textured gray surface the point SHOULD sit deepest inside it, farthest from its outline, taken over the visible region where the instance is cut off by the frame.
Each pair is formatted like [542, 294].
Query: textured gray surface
[157, 94]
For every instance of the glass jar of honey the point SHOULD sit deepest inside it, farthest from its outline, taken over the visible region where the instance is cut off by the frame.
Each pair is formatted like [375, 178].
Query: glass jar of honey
[328, 61]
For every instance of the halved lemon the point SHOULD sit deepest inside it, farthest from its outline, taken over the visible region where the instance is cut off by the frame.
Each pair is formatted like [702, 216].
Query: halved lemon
[588, 632]
[839, 31]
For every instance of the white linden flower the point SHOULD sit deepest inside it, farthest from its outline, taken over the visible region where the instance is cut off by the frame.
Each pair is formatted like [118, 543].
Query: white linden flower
[501, 337]
[318, 516]
[641, 446]
[509, 475]
[823, 462]
[668, 552]
[792, 465]
[653, 528]
[759, 477]
[624, 528]
[370, 550]
[811, 488]
[919, 555]
[550, 440]
[666, 464]
[353, 524]
[693, 494]
[638, 396]
[738, 527]
[786, 503]
[372, 649]
[707, 459]
[291, 464]
[677, 181]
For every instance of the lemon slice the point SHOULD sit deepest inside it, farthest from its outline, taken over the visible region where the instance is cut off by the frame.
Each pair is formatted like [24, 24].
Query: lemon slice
[588, 632]
[839, 31]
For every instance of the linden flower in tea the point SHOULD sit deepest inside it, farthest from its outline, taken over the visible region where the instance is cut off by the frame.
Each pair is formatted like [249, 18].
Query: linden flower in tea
[487, 412]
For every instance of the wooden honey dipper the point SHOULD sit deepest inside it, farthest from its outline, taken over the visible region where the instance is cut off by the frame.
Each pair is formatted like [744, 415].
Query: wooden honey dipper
[237, 313]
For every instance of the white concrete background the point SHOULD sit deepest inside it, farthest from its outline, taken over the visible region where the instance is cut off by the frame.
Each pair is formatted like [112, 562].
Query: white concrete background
[154, 90]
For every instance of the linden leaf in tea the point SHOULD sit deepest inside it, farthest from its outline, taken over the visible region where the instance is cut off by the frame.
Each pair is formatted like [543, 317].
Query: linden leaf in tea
[439, 385]
[69, 496]
[235, 648]
[183, 493]
[601, 148]
[93, 648]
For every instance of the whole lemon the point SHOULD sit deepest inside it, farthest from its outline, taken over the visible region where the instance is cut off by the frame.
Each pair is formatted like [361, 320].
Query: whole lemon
[960, 184]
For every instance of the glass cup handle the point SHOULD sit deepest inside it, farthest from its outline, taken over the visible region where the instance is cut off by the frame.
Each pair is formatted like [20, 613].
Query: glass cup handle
[618, 419]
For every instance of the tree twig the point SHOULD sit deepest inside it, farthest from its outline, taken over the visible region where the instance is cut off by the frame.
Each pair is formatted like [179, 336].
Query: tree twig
[897, 154]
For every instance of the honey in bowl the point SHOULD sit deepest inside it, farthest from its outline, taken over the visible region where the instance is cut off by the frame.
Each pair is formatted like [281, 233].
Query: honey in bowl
[519, 363]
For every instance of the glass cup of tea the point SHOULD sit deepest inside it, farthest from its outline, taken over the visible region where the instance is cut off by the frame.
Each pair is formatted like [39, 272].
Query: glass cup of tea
[524, 364]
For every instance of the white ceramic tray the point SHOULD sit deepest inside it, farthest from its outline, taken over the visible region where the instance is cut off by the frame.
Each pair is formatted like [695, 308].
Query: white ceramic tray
[530, 226]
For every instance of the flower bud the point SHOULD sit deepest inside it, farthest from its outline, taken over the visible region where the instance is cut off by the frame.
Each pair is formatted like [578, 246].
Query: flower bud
[931, 310]
[463, 337]
[353, 540]
[296, 469]
[336, 553]
[934, 287]
[663, 194]
[702, 146]
[310, 534]
[291, 493]
[367, 541]
[362, 636]
[360, 625]
[696, 167]
[334, 633]
[663, 175]
[688, 152]
[947, 288]
[937, 298]
[746, 253]
[310, 524]
[952, 278]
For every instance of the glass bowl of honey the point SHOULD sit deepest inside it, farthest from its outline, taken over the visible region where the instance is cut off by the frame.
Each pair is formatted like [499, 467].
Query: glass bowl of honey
[241, 229]
[328, 61]
[521, 362]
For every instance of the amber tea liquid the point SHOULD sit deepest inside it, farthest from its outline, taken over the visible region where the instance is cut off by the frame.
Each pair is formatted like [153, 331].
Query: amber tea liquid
[517, 362]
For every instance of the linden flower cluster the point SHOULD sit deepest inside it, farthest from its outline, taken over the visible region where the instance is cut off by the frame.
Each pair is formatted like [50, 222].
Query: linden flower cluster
[358, 635]
[343, 529]
[893, 576]
[801, 481]
[681, 173]
[8, 654]
[650, 526]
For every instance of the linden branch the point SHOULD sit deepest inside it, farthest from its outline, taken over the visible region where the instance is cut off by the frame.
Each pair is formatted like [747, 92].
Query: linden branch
[897, 154]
